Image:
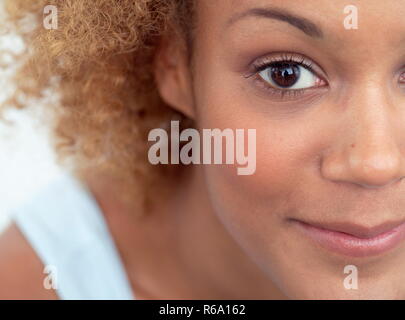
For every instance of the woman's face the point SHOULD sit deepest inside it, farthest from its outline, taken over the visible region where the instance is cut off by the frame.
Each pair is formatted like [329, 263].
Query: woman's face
[328, 105]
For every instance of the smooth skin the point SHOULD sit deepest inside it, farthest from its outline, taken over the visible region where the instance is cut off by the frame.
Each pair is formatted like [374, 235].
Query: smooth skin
[330, 153]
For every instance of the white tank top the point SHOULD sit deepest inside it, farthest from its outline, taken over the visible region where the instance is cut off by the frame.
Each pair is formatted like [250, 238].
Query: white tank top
[67, 230]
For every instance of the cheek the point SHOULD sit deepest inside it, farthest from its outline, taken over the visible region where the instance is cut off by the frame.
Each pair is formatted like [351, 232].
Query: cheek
[286, 166]
[268, 192]
[287, 155]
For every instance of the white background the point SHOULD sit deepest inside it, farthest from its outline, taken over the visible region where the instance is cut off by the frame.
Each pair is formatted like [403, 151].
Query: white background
[26, 157]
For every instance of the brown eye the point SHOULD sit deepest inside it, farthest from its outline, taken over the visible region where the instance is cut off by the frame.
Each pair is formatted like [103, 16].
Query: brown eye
[285, 75]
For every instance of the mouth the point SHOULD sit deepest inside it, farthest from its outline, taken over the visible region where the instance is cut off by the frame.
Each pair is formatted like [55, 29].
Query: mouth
[354, 240]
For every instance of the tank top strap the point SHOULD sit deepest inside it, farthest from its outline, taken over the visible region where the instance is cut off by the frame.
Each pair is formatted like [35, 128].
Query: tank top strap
[66, 228]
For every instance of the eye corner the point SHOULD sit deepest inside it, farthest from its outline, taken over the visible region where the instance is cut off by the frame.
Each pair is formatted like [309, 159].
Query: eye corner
[401, 78]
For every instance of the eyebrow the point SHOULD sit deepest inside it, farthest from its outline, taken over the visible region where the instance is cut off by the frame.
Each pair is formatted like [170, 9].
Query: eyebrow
[300, 23]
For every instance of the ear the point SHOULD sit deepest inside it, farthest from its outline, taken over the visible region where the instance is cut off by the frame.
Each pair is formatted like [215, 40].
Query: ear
[173, 75]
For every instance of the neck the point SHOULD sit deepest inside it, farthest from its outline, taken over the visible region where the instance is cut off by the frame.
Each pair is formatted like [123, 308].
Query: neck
[180, 250]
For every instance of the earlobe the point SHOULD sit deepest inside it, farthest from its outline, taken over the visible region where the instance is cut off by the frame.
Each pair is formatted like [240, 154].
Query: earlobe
[172, 76]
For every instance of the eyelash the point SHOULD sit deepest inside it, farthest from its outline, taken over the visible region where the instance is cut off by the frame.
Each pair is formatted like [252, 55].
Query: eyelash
[266, 62]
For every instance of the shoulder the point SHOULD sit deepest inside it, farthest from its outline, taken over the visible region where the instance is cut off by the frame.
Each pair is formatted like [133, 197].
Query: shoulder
[21, 271]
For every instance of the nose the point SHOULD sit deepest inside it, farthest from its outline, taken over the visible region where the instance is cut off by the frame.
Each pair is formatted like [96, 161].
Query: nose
[368, 152]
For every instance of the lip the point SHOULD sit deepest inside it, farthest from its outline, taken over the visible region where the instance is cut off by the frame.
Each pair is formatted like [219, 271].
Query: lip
[354, 240]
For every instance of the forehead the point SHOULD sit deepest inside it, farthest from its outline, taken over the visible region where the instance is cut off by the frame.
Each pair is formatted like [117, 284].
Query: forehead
[376, 18]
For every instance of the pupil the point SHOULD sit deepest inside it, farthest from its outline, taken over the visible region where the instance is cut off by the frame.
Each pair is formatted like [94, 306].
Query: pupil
[285, 74]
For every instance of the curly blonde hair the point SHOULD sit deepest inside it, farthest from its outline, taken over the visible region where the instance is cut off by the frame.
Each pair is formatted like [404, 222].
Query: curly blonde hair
[101, 59]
